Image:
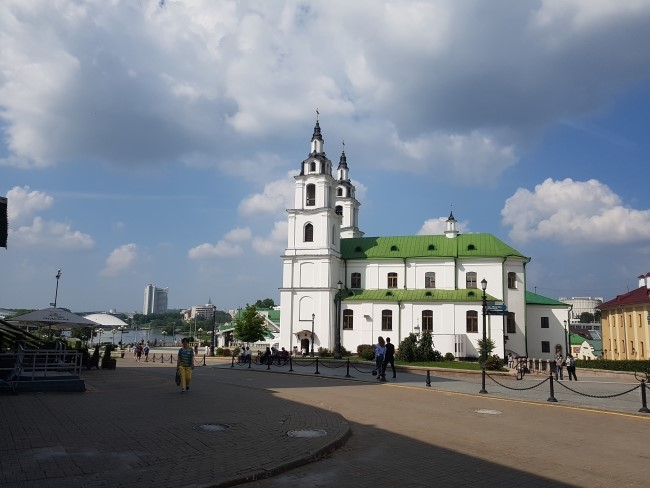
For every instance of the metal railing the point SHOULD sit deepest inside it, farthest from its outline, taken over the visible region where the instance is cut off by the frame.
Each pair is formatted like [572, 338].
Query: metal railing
[40, 364]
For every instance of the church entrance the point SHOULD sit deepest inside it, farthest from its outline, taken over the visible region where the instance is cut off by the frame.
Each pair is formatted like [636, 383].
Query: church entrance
[304, 346]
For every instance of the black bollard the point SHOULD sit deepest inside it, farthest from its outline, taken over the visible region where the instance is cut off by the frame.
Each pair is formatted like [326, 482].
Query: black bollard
[162, 358]
[250, 360]
[317, 372]
[428, 378]
[347, 372]
[153, 359]
[232, 364]
[644, 405]
[290, 364]
[268, 363]
[552, 397]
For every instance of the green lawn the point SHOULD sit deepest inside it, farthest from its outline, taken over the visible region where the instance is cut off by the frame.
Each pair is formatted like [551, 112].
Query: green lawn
[471, 366]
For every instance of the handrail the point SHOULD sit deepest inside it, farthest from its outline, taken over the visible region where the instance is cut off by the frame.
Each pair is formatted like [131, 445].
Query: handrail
[39, 364]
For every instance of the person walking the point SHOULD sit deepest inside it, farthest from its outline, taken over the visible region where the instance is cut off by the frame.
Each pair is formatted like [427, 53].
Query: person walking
[380, 350]
[389, 357]
[571, 367]
[185, 364]
[146, 353]
[559, 359]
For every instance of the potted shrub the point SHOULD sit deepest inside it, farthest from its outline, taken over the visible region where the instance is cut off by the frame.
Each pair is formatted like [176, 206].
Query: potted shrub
[107, 361]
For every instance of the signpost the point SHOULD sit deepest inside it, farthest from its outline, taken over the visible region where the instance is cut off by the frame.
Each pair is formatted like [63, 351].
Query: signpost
[496, 309]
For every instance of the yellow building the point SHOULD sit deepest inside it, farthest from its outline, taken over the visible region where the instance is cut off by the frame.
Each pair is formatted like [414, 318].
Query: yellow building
[625, 326]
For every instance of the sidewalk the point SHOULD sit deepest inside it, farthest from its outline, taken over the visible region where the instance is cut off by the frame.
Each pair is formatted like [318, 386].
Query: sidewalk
[594, 389]
[132, 427]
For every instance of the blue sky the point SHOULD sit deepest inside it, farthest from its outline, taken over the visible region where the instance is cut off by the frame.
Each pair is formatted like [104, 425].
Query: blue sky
[143, 143]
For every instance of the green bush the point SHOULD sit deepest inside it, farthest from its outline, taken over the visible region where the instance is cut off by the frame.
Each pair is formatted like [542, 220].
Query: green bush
[323, 352]
[219, 351]
[236, 351]
[421, 350]
[227, 352]
[494, 363]
[450, 357]
[366, 351]
[612, 365]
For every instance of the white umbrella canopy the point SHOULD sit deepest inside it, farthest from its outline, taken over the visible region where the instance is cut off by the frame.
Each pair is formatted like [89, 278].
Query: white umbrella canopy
[56, 318]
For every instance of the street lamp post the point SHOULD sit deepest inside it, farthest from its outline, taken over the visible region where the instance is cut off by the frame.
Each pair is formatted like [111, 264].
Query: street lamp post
[214, 331]
[56, 292]
[566, 339]
[198, 333]
[337, 336]
[121, 329]
[484, 351]
[164, 333]
[313, 316]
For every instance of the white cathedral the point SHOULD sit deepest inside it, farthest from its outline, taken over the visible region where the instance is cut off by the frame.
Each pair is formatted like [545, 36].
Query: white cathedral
[336, 280]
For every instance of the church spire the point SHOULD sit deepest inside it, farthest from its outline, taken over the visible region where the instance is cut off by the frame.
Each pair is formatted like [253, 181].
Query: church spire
[317, 139]
[451, 231]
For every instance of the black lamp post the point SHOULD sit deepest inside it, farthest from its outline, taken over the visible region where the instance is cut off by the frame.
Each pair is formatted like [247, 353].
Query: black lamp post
[56, 292]
[214, 325]
[337, 335]
[313, 316]
[484, 349]
[566, 339]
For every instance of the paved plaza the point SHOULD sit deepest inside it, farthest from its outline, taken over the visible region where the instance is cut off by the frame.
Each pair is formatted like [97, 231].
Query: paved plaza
[133, 427]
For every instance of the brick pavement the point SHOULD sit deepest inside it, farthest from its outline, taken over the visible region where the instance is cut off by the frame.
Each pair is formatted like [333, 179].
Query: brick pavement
[132, 427]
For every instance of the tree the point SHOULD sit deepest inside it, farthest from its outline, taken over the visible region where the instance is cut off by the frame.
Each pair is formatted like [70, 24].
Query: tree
[586, 317]
[266, 303]
[249, 326]
[597, 316]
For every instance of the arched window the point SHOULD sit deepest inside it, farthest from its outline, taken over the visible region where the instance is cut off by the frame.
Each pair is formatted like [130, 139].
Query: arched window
[355, 280]
[309, 233]
[312, 167]
[348, 319]
[427, 320]
[430, 280]
[470, 280]
[311, 195]
[339, 192]
[392, 280]
[339, 210]
[386, 320]
[472, 321]
[512, 280]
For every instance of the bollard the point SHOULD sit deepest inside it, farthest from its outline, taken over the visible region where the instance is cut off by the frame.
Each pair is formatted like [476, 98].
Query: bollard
[268, 363]
[232, 364]
[153, 359]
[552, 397]
[644, 405]
[250, 360]
[162, 358]
[347, 372]
[317, 372]
[428, 378]
[290, 364]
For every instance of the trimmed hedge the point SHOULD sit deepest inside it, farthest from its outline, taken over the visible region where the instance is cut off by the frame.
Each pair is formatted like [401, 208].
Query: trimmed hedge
[611, 365]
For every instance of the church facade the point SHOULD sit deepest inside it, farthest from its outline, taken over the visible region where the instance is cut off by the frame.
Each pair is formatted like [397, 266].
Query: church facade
[334, 277]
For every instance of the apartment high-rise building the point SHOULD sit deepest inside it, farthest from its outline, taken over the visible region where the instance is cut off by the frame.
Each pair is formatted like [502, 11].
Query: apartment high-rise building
[155, 299]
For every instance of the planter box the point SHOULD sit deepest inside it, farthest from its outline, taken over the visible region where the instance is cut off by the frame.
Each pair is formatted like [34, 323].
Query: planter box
[109, 364]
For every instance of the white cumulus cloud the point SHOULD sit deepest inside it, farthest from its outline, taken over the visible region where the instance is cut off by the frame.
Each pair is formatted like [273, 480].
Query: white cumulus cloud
[50, 235]
[221, 249]
[23, 203]
[275, 242]
[276, 197]
[573, 211]
[120, 259]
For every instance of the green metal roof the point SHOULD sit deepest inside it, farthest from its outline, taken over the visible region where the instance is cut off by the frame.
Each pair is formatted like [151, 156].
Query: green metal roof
[535, 299]
[432, 246]
[274, 316]
[426, 295]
